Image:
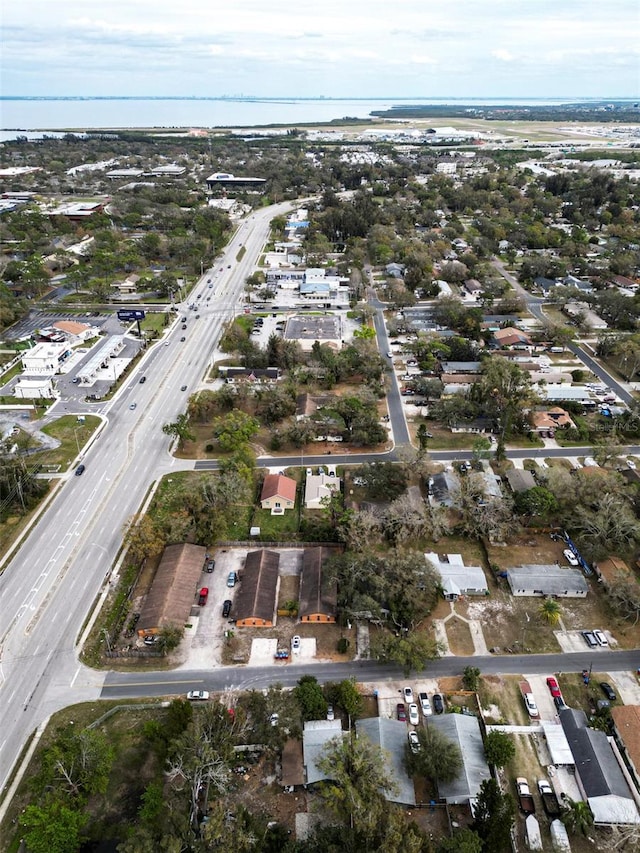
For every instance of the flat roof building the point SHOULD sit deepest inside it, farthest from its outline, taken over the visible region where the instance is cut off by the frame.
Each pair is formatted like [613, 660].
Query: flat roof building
[543, 580]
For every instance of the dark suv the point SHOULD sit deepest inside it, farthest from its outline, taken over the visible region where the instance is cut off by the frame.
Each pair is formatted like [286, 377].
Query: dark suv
[226, 608]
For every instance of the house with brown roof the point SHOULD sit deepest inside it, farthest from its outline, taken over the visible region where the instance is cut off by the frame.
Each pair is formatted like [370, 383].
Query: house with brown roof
[278, 493]
[318, 593]
[611, 570]
[255, 603]
[511, 337]
[76, 331]
[549, 420]
[626, 730]
[173, 589]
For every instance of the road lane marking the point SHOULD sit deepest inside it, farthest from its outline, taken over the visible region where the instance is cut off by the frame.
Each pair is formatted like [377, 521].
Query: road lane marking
[150, 683]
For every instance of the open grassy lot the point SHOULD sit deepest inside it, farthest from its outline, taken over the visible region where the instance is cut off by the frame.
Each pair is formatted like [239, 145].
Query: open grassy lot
[72, 436]
[156, 321]
[459, 637]
[276, 527]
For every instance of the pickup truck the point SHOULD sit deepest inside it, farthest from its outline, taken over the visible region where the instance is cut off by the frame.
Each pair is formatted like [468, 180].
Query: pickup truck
[525, 798]
[549, 799]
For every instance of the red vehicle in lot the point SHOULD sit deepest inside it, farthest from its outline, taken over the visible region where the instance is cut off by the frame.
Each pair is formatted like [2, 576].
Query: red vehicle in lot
[203, 595]
[402, 712]
[554, 689]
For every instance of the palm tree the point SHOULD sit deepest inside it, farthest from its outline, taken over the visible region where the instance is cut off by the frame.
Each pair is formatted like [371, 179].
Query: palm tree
[578, 817]
[550, 611]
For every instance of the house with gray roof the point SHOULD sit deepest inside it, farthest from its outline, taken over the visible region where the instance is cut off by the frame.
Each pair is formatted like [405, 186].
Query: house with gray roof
[443, 488]
[456, 578]
[542, 580]
[315, 737]
[598, 772]
[391, 736]
[520, 480]
[464, 731]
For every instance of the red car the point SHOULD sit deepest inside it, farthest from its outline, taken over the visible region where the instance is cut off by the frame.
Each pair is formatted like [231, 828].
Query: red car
[552, 684]
[203, 595]
[402, 712]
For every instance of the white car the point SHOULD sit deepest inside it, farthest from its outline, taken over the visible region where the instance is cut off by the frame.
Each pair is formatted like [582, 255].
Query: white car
[414, 716]
[295, 644]
[414, 742]
[197, 695]
[273, 719]
[570, 557]
[427, 710]
[631, 464]
[601, 638]
[330, 713]
[407, 695]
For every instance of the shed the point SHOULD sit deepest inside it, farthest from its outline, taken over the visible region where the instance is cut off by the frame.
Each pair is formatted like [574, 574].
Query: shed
[464, 731]
[292, 763]
[316, 736]
[532, 836]
[172, 593]
[559, 837]
[256, 601]
[545, 580]
[520, 480]
[391, 736]
[318, 593]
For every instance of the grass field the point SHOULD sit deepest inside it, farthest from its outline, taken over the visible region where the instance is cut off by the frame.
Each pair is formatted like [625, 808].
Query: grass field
[72, 436]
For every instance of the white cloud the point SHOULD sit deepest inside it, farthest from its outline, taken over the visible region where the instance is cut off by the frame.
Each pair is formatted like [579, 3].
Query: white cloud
[503, 55]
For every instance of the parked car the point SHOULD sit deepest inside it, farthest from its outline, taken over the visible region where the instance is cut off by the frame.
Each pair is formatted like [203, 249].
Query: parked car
[590, 639]
[197, 695]
[203, 595]
[408, 695]
[414, 716]
[232, 577]
[438, 703]
[273, 719]
[600, 638]
[226, 607]
[330, 713]
[560, 704]
[414, 742]
[401, 712]
[295, 643]
[570, 557]
[631, 464]
[427, 710]
[553, 686]
[608, 691]
[210, 565]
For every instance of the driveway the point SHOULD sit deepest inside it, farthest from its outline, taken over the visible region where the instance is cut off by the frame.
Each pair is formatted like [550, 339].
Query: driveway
[542, 696]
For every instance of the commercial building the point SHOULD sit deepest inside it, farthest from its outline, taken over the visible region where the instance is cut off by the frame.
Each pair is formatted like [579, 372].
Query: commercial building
[44, 359]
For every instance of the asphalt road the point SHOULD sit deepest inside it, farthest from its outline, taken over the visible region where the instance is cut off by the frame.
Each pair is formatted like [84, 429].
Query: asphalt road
[50, 584]
[151, 684]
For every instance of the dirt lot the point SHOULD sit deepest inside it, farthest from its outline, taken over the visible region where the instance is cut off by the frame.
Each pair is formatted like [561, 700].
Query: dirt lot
[326, 637]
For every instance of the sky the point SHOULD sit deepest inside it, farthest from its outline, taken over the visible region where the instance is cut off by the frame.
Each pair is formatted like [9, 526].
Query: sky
[331, 48]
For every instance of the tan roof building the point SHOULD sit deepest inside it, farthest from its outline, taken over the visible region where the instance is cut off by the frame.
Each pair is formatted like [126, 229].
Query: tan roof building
[256, 600]
[71, 327]
[318, 593]
[172, 593]
[278, 493]
[611, 569]
[626, 721]
[554, 418]
[511, 337]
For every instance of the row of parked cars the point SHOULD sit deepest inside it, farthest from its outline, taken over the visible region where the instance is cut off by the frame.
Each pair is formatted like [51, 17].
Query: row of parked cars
[410, 707]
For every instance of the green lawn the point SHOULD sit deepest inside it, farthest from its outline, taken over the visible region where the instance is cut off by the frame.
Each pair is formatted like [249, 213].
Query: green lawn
[72, 435]
[155, 322]
[276, 527]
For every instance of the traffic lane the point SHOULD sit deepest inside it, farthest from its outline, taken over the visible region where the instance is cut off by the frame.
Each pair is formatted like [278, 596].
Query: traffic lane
[122, 685]
[601, 373]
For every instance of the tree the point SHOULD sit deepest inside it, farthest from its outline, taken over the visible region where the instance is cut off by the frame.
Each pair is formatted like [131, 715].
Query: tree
[357, 780]
[143, 538]
[499, 749]
[386, 480]
[550, 611]
[346, 695]
[179, 429]
[77, 763]
[537, 501]
[606, 526]
[53, 827]
[410, 650]
[578, 817]
[494, 815]
[623, 593]
[309, 696]
[234, 429]
[463, 841]
[438, 758]
[471, 678]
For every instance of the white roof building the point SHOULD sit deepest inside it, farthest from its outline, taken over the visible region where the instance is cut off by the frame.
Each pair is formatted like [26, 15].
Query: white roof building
[45, 358]
[317, 487]
[458, 579]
